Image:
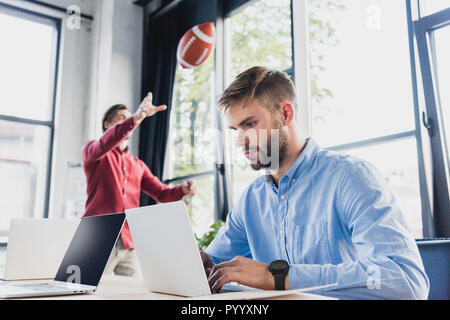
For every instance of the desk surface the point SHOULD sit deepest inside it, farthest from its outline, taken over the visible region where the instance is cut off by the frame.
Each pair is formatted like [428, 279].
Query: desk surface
[128, 288]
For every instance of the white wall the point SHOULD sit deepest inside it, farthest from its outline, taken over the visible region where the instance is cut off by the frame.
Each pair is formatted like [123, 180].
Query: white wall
[73, 95]
[100, 65]
[126, 71]
[117, 51]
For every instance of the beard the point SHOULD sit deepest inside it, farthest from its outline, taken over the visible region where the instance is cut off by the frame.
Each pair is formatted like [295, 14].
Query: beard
[273, 156]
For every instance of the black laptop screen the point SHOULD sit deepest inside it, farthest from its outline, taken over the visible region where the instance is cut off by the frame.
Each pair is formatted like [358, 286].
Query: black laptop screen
[90, 249]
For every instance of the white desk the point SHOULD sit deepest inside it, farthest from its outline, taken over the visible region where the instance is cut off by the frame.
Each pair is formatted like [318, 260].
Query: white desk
[127, 288]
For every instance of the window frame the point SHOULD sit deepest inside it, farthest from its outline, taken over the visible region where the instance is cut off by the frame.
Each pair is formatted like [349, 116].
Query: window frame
[300, 72]
[223, 168]
[300, 40]
[216, 172]
[427, 218]
[424, 26]
[226, 80]
[55, 23]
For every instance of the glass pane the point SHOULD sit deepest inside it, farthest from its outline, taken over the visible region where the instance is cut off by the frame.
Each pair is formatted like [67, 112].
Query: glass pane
[397, 164]
[360, 70]
[26, 64]
[432, 6]
[201, 205]
[261, 35]
[192, 122]
[442, 43]
[23, 170]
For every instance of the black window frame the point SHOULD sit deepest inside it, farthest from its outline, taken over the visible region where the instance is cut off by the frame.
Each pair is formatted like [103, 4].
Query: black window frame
[423, 27]
[430, 217]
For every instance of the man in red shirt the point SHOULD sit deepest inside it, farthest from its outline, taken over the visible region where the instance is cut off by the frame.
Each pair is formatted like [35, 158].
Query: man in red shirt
[115, 178]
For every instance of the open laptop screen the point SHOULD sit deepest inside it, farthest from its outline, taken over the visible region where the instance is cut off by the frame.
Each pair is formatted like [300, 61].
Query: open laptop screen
[90, 249]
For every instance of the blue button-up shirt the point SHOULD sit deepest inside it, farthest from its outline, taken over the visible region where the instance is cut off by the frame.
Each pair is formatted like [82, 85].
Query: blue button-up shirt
[334, 219]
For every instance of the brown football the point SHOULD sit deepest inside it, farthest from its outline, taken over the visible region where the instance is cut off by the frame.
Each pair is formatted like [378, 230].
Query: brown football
[196, 45]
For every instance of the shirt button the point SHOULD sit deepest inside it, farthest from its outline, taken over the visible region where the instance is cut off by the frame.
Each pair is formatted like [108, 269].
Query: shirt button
[283, 197]
[125, 168]
[281, 231]
[124, 195]
[125, 181]
[293, 180]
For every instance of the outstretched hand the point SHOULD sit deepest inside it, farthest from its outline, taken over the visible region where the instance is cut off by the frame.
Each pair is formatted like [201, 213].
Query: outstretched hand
[147, 109]
[189, 187]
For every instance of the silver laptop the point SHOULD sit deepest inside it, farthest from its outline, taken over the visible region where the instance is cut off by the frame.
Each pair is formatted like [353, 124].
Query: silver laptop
[167, 251]
[83, 264]
[36, 247]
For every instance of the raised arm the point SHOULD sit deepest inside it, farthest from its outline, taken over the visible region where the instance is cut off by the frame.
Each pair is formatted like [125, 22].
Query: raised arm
[152, 186]
[95, 150]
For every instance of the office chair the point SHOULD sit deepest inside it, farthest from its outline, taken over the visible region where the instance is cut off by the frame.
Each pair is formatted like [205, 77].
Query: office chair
[435, 255]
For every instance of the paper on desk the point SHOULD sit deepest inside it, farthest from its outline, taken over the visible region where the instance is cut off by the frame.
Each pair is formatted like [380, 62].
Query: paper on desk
[263, 294]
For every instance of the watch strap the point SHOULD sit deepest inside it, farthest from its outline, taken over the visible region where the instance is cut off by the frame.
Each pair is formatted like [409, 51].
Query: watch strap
[279, 281]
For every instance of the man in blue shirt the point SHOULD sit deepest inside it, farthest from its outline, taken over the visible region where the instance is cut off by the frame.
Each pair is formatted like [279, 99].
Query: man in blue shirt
[316, 217]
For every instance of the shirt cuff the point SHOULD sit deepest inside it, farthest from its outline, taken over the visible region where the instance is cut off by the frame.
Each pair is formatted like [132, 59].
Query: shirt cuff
[178, 193]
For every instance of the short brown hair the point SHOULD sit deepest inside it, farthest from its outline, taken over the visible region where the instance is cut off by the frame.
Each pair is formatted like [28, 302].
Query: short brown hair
[111, 112]
[271, 87]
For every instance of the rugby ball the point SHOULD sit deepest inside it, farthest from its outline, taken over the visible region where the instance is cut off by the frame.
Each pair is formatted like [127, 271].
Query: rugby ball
[196, 45]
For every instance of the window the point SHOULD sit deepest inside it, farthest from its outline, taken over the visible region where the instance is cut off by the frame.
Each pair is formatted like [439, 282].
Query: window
[28, 61]
[191, 147]
[363, 94]
[362, 99]
[260, 34]
[362, 71]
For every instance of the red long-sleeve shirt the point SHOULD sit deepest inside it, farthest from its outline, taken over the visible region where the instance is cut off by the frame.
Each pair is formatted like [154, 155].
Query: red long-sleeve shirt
[115, 178]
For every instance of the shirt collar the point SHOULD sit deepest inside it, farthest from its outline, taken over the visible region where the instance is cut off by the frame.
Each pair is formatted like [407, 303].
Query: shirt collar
[303, 162]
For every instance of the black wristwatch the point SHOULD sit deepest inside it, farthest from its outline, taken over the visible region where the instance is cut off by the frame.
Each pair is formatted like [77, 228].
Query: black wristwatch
[279, 270]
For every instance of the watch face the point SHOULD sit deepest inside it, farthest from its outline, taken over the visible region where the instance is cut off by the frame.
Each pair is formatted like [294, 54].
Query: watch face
[279, 265]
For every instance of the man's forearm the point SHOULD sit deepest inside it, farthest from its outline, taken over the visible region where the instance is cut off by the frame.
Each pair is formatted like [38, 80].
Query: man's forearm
[110, 139]
[171, 194]
[374, 278]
